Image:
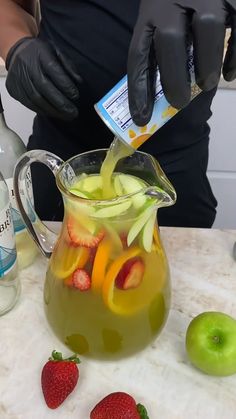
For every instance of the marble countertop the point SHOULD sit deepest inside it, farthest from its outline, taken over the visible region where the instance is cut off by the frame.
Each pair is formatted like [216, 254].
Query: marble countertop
[203, 275]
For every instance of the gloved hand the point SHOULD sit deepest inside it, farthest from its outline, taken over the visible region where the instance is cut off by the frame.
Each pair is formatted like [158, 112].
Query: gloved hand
[164, 30]
[41, 80]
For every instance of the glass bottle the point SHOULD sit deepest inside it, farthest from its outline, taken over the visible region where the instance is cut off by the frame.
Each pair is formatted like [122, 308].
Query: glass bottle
[11, 148]
[9, 281]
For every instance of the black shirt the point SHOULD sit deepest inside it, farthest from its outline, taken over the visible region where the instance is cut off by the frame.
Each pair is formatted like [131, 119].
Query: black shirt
[94, 36]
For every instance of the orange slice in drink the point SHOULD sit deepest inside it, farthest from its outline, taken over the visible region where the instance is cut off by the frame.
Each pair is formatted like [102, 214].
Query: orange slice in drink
[68, 258]
[122, 302]
[100, 263]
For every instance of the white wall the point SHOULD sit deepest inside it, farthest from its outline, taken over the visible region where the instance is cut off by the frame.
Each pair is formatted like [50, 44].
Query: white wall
[222, 164]
[19, 118]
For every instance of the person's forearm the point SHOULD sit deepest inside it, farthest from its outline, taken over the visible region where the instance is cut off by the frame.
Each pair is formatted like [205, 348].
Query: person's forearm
[16, 22]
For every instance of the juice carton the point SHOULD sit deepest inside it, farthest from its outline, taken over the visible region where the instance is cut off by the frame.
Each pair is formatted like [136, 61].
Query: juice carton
[113, 108]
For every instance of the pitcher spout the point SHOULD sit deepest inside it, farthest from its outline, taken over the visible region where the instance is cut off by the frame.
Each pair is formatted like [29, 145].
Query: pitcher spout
[163, 198]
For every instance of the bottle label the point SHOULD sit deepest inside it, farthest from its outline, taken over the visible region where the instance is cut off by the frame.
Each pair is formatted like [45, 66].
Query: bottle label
[113, 108]
[19, 225]
[7, 241]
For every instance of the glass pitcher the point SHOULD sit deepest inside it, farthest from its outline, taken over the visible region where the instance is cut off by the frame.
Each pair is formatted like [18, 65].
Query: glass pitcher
[107, 287]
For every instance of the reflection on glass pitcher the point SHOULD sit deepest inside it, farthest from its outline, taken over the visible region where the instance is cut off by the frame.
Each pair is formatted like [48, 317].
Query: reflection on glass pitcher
[107, 288]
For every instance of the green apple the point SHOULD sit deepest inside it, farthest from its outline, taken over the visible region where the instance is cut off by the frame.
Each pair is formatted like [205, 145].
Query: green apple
[211, 343]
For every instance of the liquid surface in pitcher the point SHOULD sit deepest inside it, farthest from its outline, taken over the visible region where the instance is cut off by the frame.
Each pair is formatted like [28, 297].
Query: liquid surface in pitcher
[107, 289]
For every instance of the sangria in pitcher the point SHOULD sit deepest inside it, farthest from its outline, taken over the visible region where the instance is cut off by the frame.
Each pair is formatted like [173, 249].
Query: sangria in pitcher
[107, 288]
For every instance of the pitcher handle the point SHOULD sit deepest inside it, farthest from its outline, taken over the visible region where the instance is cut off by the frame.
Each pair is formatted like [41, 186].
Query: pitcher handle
[42, 235]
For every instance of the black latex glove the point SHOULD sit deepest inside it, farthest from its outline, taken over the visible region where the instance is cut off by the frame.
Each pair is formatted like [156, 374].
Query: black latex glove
[40, 79]
[163, 31]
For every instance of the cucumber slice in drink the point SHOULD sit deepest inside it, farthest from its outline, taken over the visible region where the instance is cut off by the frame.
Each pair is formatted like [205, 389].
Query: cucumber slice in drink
[112, 211]
[146, 236]
[138, 225]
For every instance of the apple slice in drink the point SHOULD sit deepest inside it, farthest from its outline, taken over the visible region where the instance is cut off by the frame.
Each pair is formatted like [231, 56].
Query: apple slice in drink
[139, 224]
[146, 235]
[89, 184]
[80, 194]
[127, 184]
[113, 210]
[118, 186]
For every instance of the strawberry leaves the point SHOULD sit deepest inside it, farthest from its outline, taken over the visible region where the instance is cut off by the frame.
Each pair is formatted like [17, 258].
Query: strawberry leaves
[142, 411]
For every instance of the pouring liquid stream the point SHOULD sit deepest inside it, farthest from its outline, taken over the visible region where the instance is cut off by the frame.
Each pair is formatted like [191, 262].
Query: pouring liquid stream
[117, 151]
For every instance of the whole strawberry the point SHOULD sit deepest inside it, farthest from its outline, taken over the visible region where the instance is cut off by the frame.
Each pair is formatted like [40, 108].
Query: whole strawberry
[59, 378]
[118, 405]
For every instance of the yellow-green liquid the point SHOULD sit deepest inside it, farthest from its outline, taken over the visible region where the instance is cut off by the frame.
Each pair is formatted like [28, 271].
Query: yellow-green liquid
[89, 322]
[84, 323]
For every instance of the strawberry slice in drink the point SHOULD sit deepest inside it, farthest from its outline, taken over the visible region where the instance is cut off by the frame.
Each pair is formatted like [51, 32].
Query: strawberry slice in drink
[80, 236]
[131, 274]
[79, 280]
